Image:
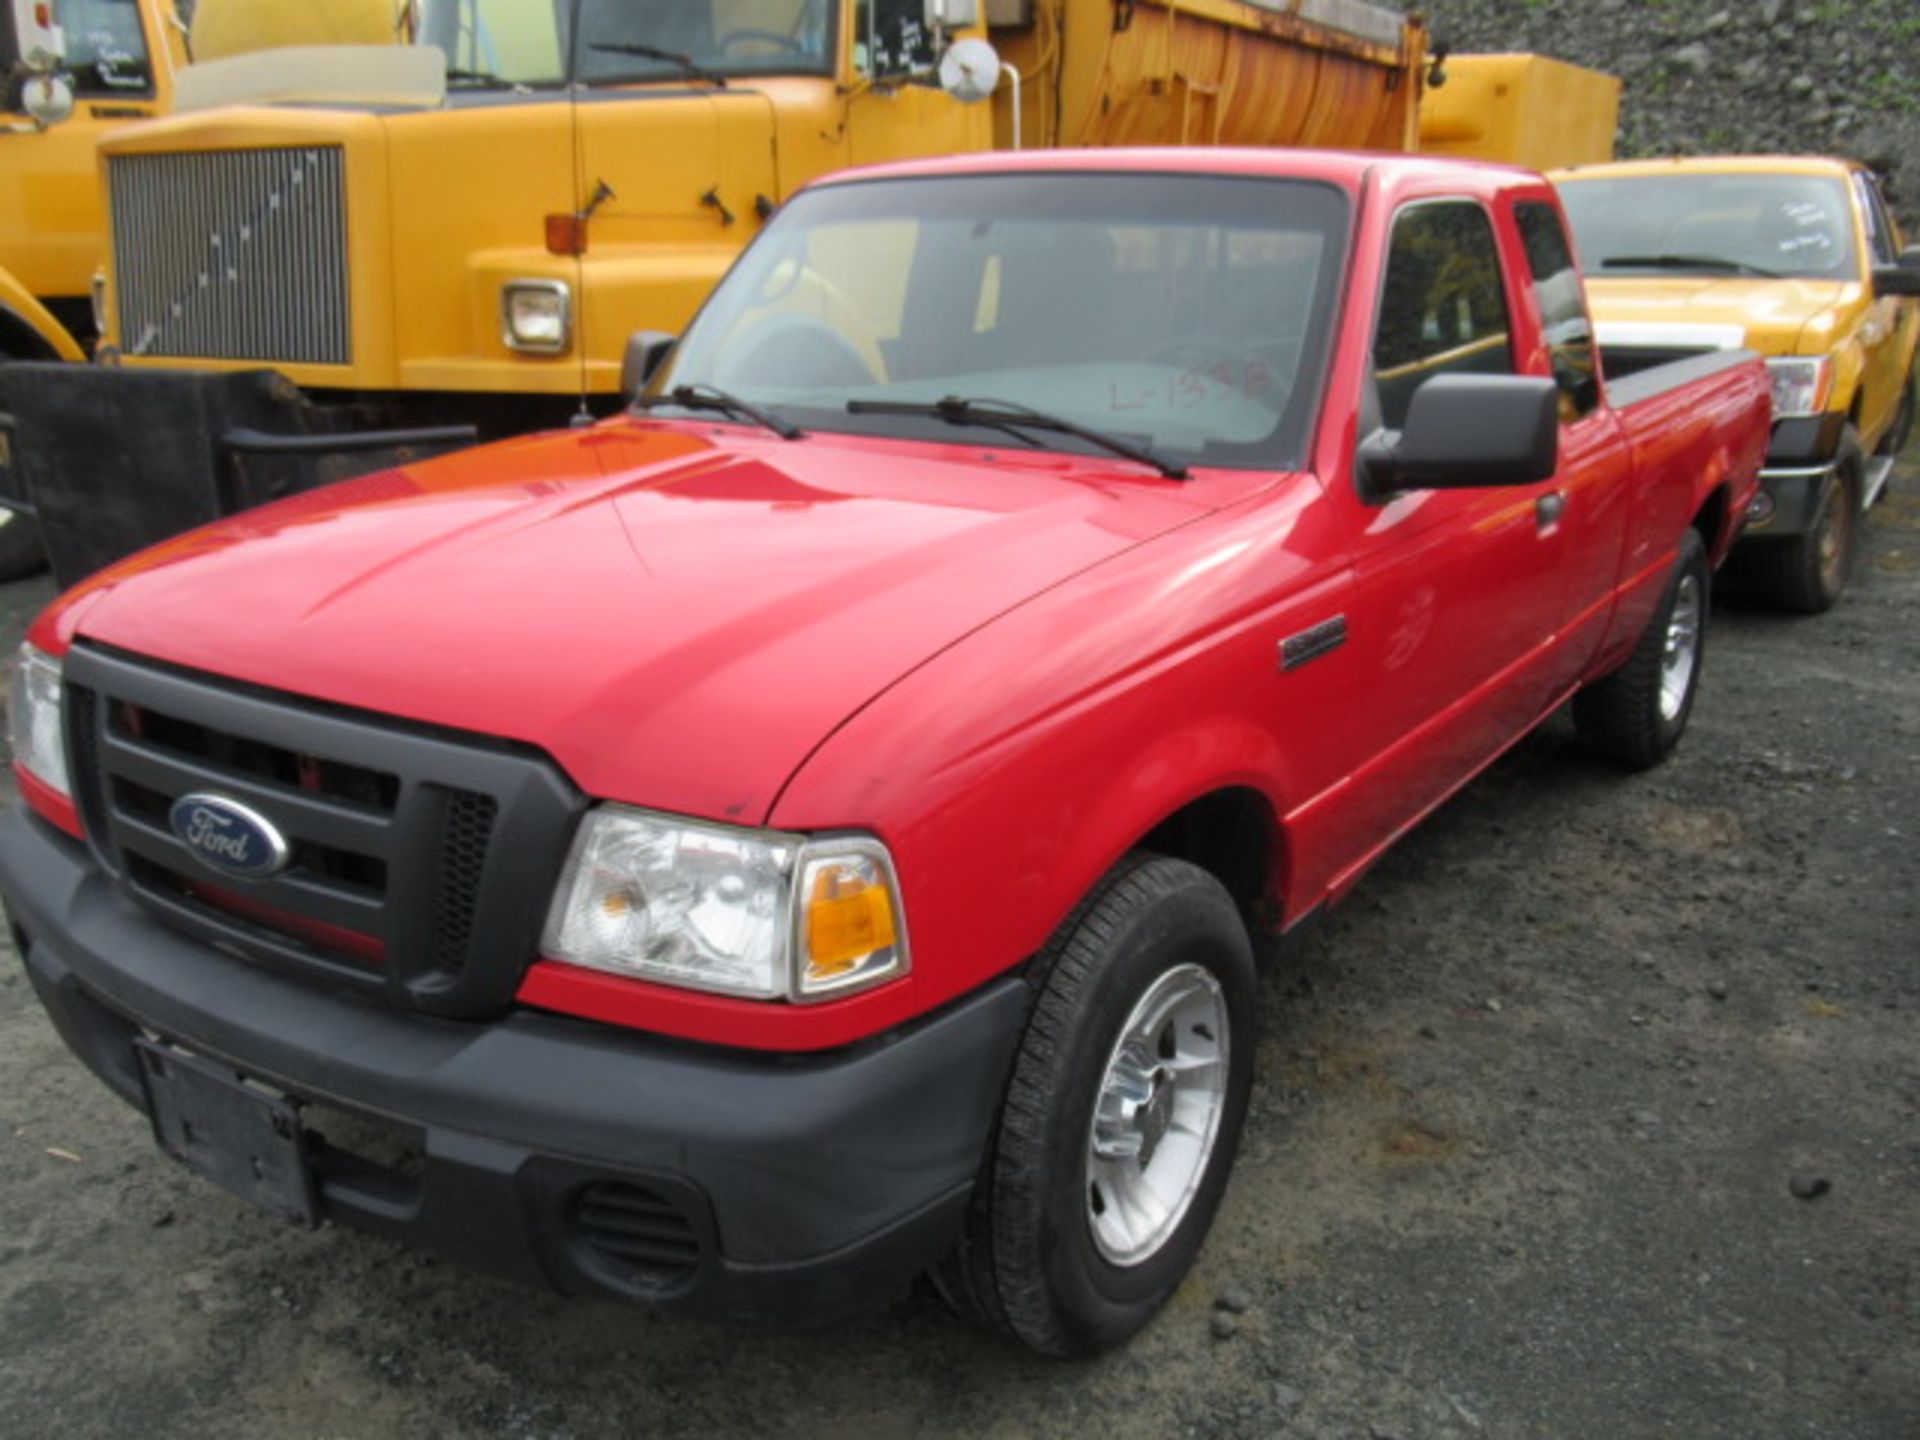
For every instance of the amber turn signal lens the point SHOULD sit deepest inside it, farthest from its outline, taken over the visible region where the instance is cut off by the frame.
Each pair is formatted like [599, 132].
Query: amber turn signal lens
[849, 918]
[566, 235]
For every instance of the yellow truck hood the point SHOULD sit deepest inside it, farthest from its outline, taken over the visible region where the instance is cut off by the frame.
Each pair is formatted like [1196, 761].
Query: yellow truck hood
[1719, 312]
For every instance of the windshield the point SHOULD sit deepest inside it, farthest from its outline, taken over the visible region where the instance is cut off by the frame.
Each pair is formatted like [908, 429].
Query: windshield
[1689, 223]
[1187, 314]
[531, 42]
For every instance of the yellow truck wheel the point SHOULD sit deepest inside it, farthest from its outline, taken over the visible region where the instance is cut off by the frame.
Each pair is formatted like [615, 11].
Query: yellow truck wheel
[1806, 574]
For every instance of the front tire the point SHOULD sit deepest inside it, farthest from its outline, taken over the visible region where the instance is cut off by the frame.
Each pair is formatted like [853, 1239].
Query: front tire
[1807, 574]
[1636, 715]
[1122, 1116]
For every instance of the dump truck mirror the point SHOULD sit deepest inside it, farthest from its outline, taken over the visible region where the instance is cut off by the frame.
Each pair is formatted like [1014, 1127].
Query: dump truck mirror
[1464, 432]
[47, 98]
[970, 70]
[646, 349]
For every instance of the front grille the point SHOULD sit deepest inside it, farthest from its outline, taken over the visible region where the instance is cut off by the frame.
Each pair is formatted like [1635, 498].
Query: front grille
[642, 1239]
[233, 254]
[419, 864]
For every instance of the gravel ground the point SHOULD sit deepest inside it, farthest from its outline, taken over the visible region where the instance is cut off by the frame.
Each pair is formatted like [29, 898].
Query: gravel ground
[1523, 1159]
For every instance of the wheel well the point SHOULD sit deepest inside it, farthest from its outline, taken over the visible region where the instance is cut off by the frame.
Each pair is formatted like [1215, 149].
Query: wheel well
[1711, 519]
[20, 341]
[1231, 835]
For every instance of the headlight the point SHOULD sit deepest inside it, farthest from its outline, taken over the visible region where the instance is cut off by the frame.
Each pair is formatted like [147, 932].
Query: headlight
[1800, 386]
[752, 913]
[98, 293]
[537, 316]
[34, 718]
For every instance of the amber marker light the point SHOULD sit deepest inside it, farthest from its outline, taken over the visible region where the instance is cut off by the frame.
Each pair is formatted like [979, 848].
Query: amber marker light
[850, 924]
[566, 234]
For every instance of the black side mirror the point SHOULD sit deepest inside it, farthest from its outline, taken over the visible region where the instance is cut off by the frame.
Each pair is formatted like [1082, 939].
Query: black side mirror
[646, 349]
[1901, 280]
[1464, 432]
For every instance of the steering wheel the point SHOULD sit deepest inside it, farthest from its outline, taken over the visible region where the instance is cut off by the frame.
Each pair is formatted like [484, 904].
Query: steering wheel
[765, 37]
[798, 350]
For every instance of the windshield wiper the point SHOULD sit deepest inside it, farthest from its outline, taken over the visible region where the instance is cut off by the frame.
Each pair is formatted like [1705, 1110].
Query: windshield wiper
[710, 397]
[1006, 415]
[455, 75]
[1686, 262]
[689, 67]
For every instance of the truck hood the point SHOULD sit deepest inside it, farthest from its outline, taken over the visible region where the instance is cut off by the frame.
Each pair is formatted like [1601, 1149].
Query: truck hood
[1724, 313]
[678, 614]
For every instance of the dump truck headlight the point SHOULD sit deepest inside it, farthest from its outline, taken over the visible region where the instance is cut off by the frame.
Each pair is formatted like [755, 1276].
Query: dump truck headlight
[752, 913]
[537, 316]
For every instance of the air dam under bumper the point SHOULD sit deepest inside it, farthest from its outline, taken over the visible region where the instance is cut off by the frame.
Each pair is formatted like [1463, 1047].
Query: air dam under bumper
[782, 1188]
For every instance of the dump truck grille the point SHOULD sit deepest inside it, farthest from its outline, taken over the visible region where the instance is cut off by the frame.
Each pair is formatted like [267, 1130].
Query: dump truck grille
[233, 254]
[418, 864]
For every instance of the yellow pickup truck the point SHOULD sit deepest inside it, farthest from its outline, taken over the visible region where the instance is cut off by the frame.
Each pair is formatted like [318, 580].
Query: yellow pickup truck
[1799, 259]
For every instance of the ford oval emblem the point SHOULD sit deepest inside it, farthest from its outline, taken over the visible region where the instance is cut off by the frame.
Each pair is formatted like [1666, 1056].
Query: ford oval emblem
[227, 836]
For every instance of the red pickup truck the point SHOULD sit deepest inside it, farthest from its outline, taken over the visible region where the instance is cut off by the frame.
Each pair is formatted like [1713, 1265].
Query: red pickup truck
[807, 832]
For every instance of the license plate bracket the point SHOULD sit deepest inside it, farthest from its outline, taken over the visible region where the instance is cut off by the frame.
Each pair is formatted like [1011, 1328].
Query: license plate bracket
[243, 1138]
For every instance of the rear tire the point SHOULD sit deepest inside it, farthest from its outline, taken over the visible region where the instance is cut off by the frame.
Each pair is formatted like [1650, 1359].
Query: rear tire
[21, 553]
[1807, 574]
[1136, 1062]
[1636, 715]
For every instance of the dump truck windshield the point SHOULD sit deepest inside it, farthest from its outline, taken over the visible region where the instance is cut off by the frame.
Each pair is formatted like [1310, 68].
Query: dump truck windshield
[1185, 314]
[521, 43]
[1692, 224]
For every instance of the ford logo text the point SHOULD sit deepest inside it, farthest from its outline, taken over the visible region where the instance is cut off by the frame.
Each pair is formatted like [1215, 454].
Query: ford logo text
[227, 836]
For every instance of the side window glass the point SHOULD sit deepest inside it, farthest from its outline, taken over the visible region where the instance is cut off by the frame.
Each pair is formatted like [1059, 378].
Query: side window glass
[1563, 310]
[1881, 245]
[1442, 309]
[891, 37]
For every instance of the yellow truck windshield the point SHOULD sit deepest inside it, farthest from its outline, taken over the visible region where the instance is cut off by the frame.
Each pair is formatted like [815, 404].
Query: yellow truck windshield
[1695, 224]
[516, 43]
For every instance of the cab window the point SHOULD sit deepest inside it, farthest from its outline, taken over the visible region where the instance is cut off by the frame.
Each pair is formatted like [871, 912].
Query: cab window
[1563, 309]
[1883, 245]
[1442, 308]
[891, 37]
[106, 48]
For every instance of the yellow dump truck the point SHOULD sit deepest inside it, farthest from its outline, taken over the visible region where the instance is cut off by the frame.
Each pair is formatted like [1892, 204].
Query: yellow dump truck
[1522, 109]
[332, 258]
[70, 72]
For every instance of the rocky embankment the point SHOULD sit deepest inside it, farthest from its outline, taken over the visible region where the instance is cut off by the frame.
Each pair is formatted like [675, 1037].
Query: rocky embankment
[1835, 77]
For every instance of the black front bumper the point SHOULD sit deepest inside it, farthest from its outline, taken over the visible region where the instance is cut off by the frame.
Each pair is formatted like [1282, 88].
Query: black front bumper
[801, 1187]
[113, 460]
[1800, 457]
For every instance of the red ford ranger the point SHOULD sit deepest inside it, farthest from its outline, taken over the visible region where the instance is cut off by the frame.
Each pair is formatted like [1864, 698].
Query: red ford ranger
[806, 832]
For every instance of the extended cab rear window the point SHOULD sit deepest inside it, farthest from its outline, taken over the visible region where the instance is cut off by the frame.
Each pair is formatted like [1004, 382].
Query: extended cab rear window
[1186, 312]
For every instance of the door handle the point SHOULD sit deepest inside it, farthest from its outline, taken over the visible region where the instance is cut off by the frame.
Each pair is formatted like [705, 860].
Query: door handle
[1548, 508]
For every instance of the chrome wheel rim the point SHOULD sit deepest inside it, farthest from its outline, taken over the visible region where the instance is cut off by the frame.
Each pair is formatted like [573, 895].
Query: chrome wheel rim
[1157, 1115]
[1681, 655]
